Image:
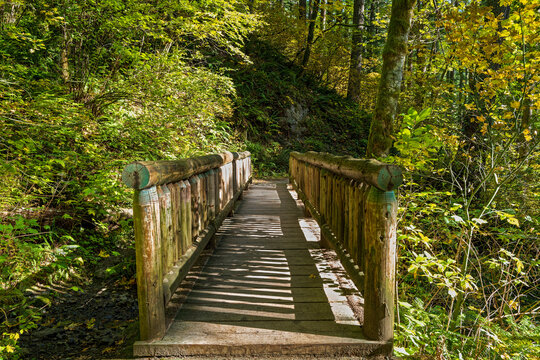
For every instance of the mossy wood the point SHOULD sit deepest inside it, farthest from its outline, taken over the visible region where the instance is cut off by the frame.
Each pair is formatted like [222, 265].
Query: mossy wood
[178, 206]
[385, 177]
[352, 201]
[144, 174]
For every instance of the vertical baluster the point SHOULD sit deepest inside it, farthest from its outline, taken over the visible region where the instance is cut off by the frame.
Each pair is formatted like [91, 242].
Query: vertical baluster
[194, 181]
[174, 223]
[187, 227]
[316, 184]
[200, 220]
[362, 190]
[166, 226]
[322, 194]
[212, 195]
[355, 219]
[220, 189]
[231, 182]
[182, 217]
[351, 220]
[332, 200]
[236, 175]
[340, 208]
[204, 200]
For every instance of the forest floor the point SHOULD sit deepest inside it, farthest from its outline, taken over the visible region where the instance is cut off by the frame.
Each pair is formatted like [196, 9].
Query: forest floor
[96, 320]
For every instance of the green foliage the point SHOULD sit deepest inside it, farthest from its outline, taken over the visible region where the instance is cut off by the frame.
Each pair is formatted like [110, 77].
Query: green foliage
[85, 88]
[278, 111]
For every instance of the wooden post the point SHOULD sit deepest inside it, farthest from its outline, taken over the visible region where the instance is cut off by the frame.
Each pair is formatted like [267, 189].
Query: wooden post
[146, 217]
[380, 221]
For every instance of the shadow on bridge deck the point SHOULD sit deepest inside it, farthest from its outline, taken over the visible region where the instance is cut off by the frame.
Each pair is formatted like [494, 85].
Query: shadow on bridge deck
[267, 289]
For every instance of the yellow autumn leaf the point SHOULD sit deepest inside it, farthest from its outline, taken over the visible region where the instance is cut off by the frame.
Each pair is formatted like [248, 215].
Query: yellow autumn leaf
[103, 254]
[519, 266]
[484, 128]
[513, 221]
[513, 304]
[9, 349]
[508, 115]
[515, 104]
[107, 350]
[527, 135]
[481, 118]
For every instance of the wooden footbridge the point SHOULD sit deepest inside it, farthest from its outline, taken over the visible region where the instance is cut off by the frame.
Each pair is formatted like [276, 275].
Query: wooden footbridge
[273, 284]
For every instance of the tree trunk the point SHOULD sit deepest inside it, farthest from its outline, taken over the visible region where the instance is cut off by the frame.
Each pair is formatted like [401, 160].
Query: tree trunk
[394, 53]
[311, 34]
[323, 14]
[353, 89]
[302, 6]
[372, 30]
[64, 63]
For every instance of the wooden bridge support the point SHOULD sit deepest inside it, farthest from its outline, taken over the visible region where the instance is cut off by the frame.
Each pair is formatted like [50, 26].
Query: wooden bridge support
[354, 203]
[177, 208]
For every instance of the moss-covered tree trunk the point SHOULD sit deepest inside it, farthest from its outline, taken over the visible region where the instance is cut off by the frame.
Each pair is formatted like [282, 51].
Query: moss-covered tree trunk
[355, 69]
[394, 53]
[302, 9]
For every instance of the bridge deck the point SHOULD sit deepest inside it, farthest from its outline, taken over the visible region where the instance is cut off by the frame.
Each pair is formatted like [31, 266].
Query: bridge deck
[268, 289]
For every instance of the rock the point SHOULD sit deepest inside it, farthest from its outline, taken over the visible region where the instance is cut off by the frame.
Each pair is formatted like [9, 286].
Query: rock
[47, 332]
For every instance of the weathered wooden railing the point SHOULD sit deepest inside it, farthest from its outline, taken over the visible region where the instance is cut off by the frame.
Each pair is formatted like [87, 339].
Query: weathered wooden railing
[354, 203]
[177, 208]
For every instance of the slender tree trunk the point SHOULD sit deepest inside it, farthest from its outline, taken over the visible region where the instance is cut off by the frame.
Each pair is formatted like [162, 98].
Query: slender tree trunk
[64, 63]
[302, 6]
[371, 29]
[523, 148]
[311, 33]
[355, 69]
[394, 53]
[323, 14]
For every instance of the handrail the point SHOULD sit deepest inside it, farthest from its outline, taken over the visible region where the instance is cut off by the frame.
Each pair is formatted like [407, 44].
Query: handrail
[178, 206]
[355, 206]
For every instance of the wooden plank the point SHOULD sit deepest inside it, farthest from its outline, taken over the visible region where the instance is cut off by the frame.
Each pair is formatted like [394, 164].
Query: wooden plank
[257, 295]
[243, 269]
[256, 338]
[261, 281]
[242, 311]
